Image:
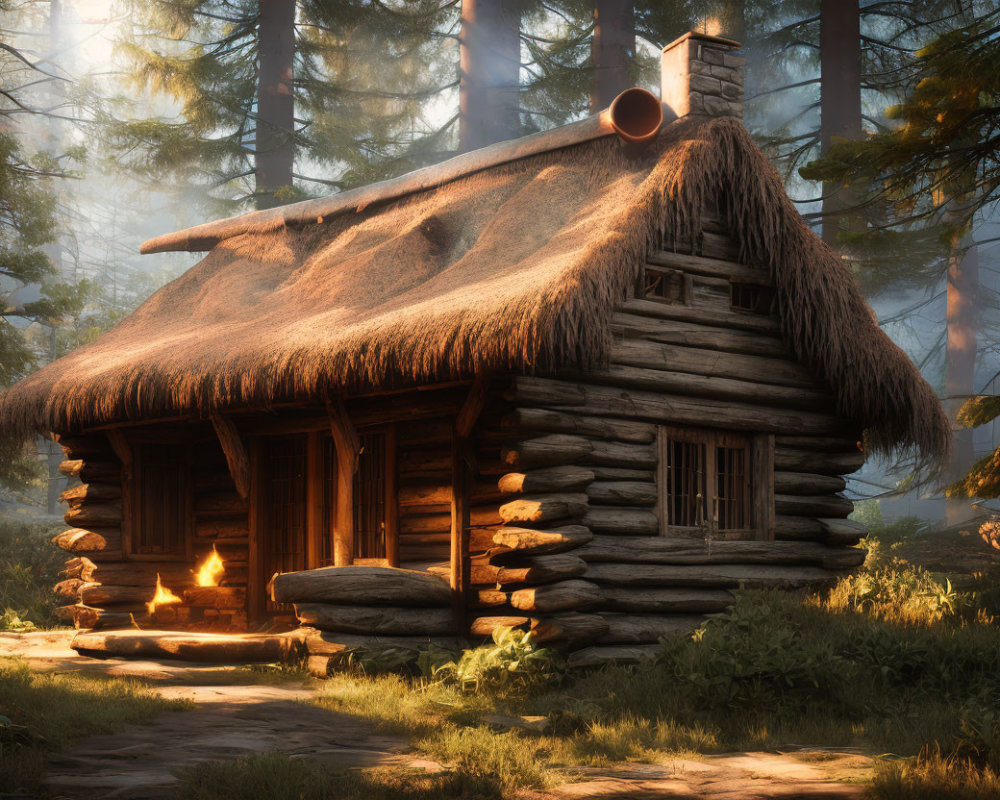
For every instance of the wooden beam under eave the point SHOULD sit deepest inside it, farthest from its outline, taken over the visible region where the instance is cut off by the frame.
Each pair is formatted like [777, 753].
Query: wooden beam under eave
[348, 446]
[235, 452]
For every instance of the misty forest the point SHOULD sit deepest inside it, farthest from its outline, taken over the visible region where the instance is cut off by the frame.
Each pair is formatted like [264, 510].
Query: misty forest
[499, 399]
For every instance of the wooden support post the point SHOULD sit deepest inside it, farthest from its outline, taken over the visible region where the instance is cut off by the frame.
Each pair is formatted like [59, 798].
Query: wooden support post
[348, 446]
[762, 484]
[235, 452]
[315, 496]
[391, 499]
[462, 469]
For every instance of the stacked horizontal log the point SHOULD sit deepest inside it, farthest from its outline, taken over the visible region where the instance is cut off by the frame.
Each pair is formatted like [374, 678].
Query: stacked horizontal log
[94, 536]
[363, 605]
[105, 588]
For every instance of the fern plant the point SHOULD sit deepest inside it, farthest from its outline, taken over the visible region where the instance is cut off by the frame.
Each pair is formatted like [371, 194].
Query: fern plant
[513, 665]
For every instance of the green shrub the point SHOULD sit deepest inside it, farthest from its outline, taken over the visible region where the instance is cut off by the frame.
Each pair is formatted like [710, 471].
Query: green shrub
[750, 658]
[896, 592]
[29, 568]
[512, 666]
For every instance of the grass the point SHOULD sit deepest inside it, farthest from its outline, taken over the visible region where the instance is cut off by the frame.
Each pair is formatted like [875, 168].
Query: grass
[42, 712]
[895, 659]
[29, 568]
[281, 777]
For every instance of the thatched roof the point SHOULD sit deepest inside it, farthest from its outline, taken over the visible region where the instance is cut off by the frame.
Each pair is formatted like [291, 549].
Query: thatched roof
[515, 266]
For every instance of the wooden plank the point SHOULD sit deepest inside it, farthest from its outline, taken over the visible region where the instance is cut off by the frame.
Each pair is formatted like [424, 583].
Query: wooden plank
[550, 421]
[362, 586]
[813, 505]
[544, 508]
[377, 620]
[621, 521]
[347, 444]
[460, 522]
[256, 579]
[706, 386]
[662, 550]
[662, 483]
[702, 335]
[807, 483]
[552, 479]
[713, 267]
[762, 485]
[712, 363]
[722, 576]
[646, 628]
[571, 595]
[391, 497]
[702, 313]
[202, 647]
[820, 463]
[315, 499]
[667, 601]
[235, 452]
[622, 493]
[472, 407]
[659, 407]
[538, 542]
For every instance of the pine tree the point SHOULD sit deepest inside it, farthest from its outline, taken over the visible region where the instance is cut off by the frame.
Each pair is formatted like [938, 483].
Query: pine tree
[30, 293]
[933, 173]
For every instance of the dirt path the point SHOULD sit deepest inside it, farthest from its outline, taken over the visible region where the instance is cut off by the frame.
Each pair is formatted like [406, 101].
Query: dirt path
[230, 721]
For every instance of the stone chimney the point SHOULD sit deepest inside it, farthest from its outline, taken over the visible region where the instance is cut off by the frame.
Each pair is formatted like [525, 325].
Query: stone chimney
[701, 76]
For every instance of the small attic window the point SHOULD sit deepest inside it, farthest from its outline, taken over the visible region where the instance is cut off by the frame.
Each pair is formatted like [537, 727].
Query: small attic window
[665, 285]
[754, 298]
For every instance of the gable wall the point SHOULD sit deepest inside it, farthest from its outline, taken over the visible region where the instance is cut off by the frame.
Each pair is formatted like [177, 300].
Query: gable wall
[583, 464]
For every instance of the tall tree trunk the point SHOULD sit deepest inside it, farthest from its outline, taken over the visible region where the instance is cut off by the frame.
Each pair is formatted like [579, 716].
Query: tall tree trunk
[274, 156]
[611, 51]
[54, 250]
[960, 365]
[840, 95]
[489, 72]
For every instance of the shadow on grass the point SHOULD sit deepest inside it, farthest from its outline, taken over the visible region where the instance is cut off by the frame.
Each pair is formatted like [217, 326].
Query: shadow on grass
[280, 777]
[48, 711]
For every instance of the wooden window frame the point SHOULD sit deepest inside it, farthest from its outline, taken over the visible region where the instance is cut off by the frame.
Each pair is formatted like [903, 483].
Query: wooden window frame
[681, 285]
[125, 447]
[765, 298]
[760, 479]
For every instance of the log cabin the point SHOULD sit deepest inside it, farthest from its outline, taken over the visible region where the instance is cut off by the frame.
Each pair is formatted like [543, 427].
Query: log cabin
[585, 382]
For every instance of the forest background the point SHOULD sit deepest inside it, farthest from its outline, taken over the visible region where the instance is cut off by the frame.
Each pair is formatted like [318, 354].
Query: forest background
[125, 119]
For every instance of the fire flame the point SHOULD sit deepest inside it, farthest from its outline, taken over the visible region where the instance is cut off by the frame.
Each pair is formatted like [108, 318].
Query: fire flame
[162, 597]
[211, 571]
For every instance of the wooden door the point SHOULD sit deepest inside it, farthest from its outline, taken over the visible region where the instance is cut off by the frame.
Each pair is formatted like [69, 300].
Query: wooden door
[278, 534]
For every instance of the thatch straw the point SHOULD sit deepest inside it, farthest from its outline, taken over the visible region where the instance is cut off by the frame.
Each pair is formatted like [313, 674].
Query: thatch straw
[516, 267]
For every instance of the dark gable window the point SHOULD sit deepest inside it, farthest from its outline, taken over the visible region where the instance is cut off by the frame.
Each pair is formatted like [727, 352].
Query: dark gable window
[754, 298]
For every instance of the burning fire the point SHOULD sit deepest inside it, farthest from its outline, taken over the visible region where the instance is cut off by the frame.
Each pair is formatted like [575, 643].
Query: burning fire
[211, 571]
[162, 597]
